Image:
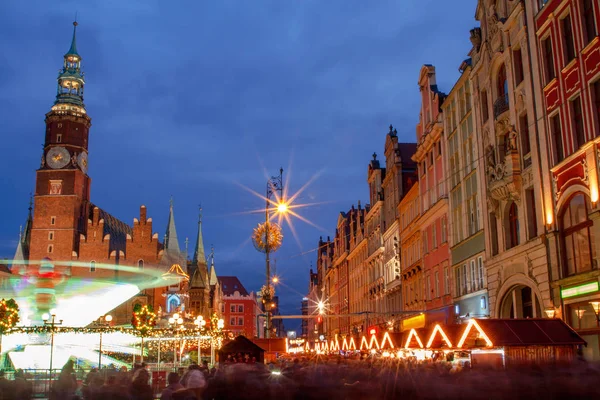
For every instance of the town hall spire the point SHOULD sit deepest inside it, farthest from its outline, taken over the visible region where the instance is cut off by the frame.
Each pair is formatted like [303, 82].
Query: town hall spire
[70, 80]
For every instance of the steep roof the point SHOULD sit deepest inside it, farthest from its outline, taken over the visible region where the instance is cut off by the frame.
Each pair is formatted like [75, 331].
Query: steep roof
[171, 242]
[231, 284]
[113, 226]
[199, 256]
[197, 281]
[406, 151]
[213, 280]
[530, 331]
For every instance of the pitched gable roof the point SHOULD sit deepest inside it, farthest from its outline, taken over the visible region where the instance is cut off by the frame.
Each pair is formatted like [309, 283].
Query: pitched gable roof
[231, 284]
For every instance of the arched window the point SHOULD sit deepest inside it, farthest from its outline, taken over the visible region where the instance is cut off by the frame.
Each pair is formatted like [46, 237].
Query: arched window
[577, 237]
[140, 264]
[513, 226]
[92, 266]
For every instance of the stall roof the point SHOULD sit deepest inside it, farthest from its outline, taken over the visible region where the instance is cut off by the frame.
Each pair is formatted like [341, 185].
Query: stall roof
[241, 344]
[530, 331]
[271, 345]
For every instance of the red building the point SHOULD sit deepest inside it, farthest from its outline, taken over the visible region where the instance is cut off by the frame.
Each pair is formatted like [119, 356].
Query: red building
[433, 194]
[569, 61]
[239, 308]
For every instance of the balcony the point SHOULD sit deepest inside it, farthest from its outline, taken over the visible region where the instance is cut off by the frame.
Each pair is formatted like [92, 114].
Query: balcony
[501, 105]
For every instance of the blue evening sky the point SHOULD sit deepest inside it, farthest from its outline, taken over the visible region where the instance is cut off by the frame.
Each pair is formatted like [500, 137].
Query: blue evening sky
[193, 98]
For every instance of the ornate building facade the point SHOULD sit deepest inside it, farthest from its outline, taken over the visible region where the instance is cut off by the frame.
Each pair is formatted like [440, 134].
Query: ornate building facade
[568, 109]
[465, 228]
[501, 78]
[433, 195]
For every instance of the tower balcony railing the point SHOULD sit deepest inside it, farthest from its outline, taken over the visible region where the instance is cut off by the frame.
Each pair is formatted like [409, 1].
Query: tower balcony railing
[501, 105]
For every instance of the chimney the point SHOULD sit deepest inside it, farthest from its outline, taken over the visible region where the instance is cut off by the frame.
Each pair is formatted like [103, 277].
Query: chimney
[143, 214]
[96, 216]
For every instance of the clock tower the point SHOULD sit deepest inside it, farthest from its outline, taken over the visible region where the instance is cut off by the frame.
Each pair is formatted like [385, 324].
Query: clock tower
[62, 190]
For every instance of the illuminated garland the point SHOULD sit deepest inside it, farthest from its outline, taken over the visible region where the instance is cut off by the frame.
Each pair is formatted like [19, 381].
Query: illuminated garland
[9, 315]
[275, 237]
[143, 319]
[267, 294]
[166, 333]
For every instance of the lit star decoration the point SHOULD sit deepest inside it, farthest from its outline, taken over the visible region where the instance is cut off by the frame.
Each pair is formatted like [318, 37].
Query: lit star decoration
[9, 315]
[143, 319]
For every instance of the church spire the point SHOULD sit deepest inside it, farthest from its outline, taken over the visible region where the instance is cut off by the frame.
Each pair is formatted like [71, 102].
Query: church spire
[171, 242]
[73, 49]
[199, 257]
[213, 274]
[70, 80]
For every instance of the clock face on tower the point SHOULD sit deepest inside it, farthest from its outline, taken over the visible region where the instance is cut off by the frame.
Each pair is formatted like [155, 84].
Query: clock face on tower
[58, 157]
[82, 161]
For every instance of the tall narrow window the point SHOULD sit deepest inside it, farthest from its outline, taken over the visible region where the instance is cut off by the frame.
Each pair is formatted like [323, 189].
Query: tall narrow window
[92, 266]
[548, 59]
[481, 272]
[446, 281]
[502, 83]
[434, 234]
[474, 280]
[557, 138]
[567, 34]
[444, 230]
[437, 284]
[59, 138]
[140, 264]
[484, 106]
[596, 90]
[428, 287]
[518, 66]
[588, 20]
[465, 279]
[577, 237]
[52, 220]
[531, 218]
[50, 248]
[577, 116]
[524, 130]
[51, 235]
[494, 233]
[513, 226]
[457, 282]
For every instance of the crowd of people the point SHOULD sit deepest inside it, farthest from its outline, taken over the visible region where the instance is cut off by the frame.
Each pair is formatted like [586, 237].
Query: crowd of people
[324, 377]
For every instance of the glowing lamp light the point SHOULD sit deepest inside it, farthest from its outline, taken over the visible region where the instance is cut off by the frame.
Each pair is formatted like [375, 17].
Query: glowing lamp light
[550, 312]
[275, 279]
[372, 331]
[108, 318]
[45, 317]
[596, 306]
[176, 316]
[282, 208]
[549, 217]
[594, 193]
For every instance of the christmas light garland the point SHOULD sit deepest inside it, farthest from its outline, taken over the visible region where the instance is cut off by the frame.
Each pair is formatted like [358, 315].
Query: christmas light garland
[9, 315]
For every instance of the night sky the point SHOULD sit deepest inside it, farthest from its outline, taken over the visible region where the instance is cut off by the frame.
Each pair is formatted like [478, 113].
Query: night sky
[195, 98]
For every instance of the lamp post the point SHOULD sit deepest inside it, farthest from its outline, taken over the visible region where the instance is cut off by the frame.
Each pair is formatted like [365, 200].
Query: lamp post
[102, 323]
[50, 320]
[200, 322]
[176, 323]
[275, 184]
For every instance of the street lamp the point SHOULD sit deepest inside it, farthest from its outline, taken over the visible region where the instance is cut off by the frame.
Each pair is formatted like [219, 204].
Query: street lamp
[176, 322]
[200, 323]
[103, 322]
[50, 320]
[275, 184]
